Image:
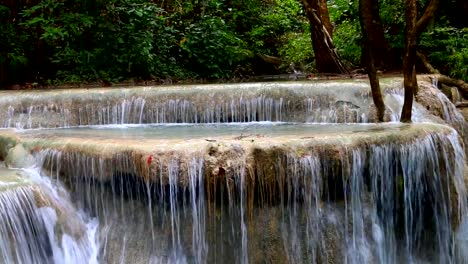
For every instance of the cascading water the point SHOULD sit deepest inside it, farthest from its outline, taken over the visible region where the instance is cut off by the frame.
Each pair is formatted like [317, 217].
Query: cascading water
[333, 203]
[334, 102]
[231, 193]
[18, 212]
[38, 225]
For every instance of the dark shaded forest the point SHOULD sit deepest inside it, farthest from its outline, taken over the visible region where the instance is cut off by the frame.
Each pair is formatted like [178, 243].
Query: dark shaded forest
[59, 42]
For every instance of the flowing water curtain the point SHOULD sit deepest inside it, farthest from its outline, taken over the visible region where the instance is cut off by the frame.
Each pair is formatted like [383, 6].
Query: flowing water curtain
[367, 202]
[387, 204]
[115, 192]
[19, 224]
[35, 226]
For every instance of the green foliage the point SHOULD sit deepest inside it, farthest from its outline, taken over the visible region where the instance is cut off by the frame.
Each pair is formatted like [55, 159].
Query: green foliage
[347, 38]
[344, 14]
[115, 41]
[76, 41]
[448, 49]
[11, 43]
[392, 14]
[342, 10]
[298, 49]
[279, 20]
[213, 47]
[446, 45]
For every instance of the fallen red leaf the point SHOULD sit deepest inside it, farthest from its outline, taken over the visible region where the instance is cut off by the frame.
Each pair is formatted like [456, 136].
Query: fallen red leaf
[150, 159]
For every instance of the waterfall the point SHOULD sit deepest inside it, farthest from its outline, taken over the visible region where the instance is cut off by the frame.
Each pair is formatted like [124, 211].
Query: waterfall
[20, 216]
[165, 212]
[346, 102]
[37, 225]
[344, 203]
[435, 81]
[369, 225]
[106, 189]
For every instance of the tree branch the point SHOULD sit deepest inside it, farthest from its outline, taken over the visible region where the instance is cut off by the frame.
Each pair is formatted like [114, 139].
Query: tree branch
[428, 15]
[426, 63]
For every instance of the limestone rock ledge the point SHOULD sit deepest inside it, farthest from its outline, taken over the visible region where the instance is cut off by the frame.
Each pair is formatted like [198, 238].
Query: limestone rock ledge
[222, 155]
[265, 164]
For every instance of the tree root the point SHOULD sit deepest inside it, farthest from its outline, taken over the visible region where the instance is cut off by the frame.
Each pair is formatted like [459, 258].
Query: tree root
[444, 79]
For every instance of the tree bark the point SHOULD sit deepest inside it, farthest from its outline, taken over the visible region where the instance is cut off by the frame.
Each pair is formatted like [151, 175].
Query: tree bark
[409, 73]
[375, 88]
[462, 7]
[325, 16]
[379, 47]
[326, 57]
[371, 45]
[425, 62]
[414, 27]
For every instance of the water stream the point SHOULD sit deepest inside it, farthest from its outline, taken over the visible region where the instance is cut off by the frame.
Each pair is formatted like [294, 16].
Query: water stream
[230, 190]
[324, 102]
[38, 223]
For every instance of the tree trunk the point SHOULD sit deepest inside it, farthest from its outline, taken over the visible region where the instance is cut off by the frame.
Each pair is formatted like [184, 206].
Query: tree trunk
[462, 7]
[371, 44]
[375, 88]
[410, 83]
[425, 63]
[325, 16]
[326, 57]
[414, 27]
[409, 72]
[379, 47]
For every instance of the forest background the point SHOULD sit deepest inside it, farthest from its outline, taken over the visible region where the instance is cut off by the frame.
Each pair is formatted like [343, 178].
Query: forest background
[48, 42]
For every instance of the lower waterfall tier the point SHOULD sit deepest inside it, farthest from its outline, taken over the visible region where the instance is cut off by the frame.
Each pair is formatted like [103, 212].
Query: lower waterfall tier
[262, 192]
[36, 225]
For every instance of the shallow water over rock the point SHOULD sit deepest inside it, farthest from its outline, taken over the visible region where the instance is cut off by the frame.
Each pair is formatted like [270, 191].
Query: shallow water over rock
[322, 102]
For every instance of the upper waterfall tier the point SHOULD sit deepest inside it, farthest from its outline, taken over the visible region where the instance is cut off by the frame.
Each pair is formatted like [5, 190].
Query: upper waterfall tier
[333, 102]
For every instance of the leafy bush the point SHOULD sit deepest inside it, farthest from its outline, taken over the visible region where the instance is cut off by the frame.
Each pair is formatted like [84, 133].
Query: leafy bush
[297, 49]
[341, 10]
[448, 49]
[213, 47]
[57, 27]
[276, 22]
[12, 53]
[392, 14]
[76, 41]
[347, 38]
[115, 41]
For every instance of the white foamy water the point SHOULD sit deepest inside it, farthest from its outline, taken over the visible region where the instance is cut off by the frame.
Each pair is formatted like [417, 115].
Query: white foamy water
[38, 224]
